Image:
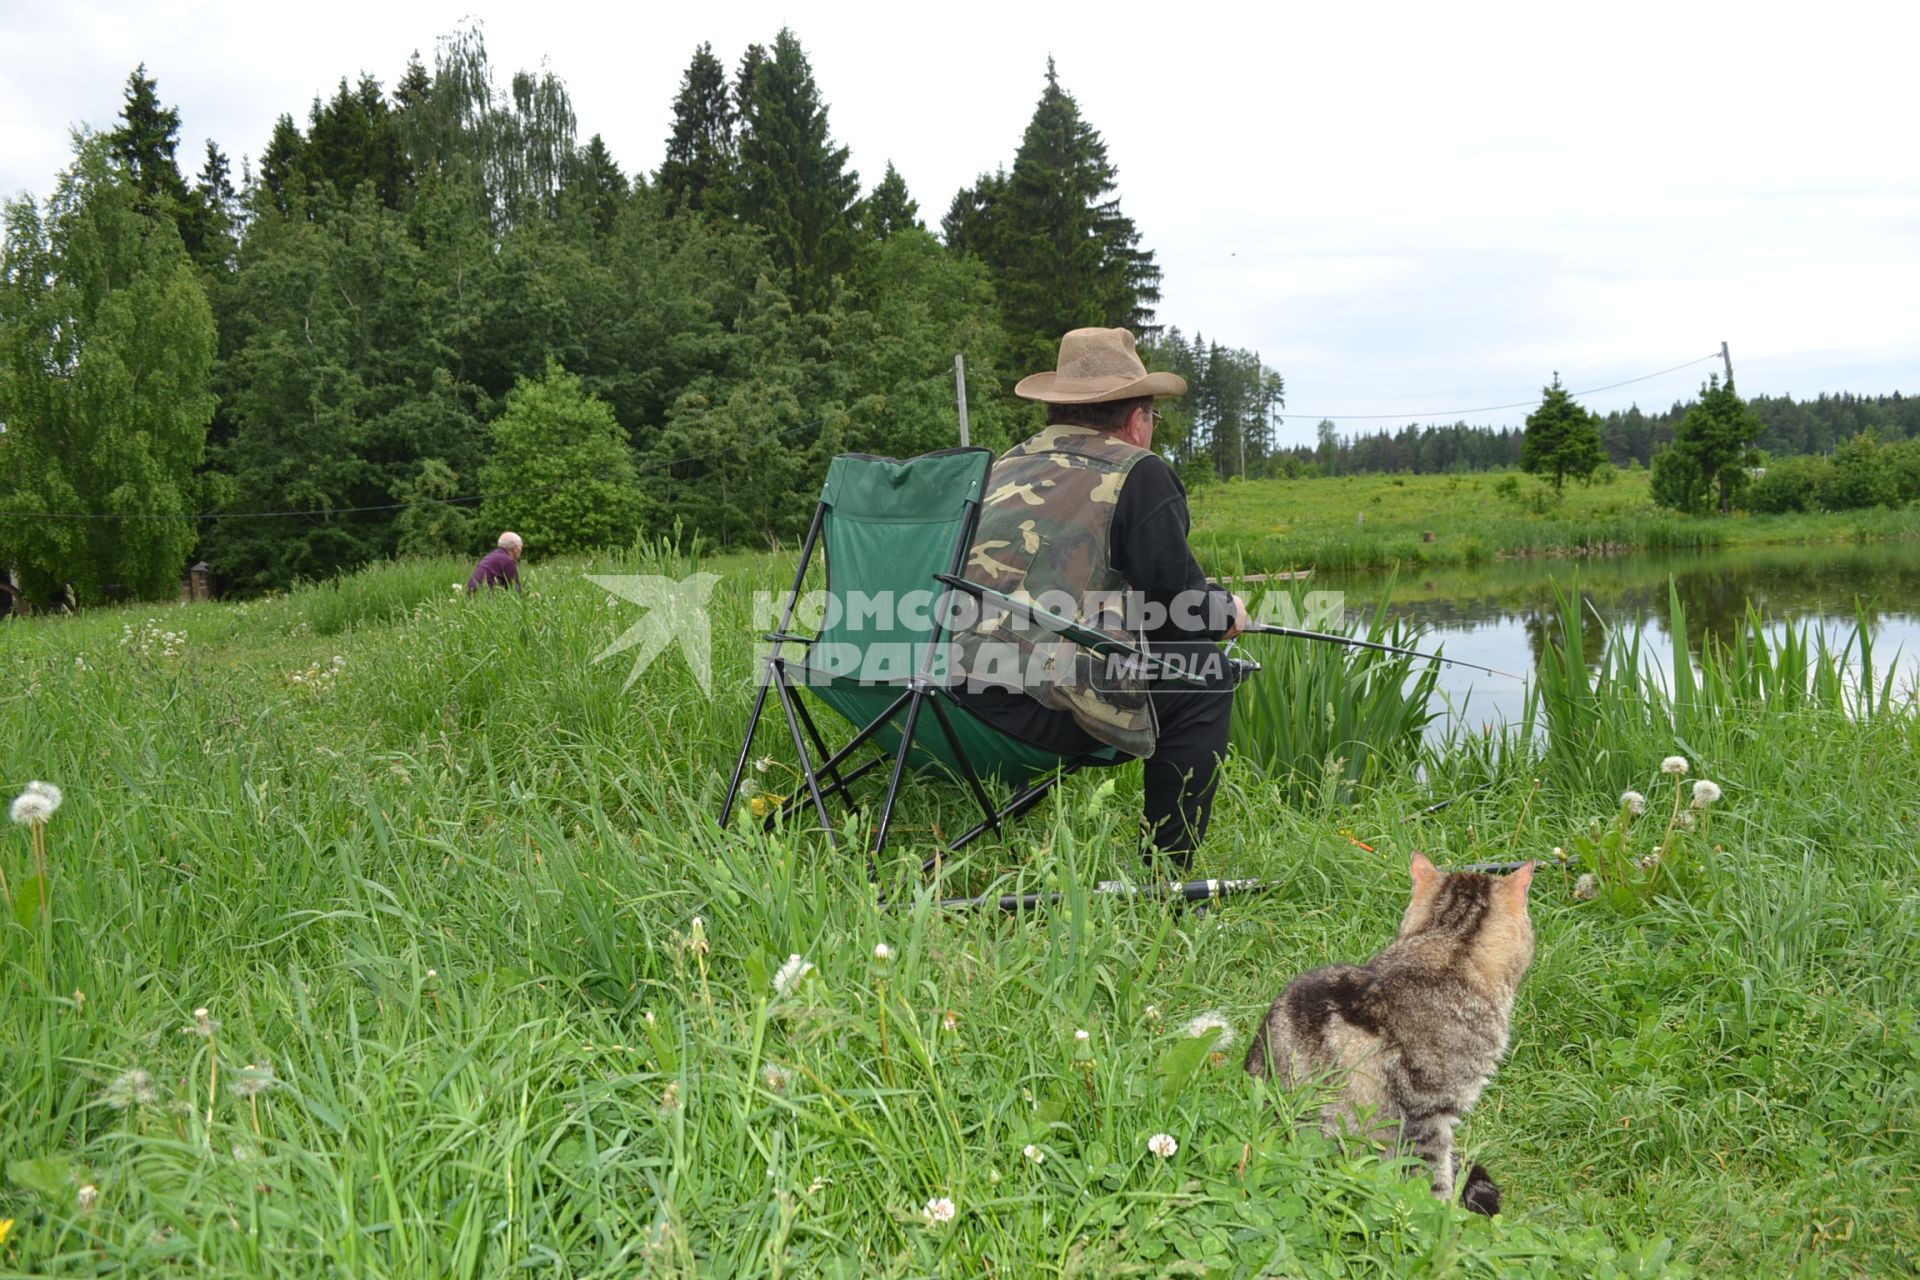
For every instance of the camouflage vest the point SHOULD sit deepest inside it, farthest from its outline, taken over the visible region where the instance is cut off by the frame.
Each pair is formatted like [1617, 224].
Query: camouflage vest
[1045, 536]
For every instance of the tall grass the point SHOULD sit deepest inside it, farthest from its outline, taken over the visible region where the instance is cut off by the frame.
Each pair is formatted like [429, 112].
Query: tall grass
[447, 895]
[1321, 718]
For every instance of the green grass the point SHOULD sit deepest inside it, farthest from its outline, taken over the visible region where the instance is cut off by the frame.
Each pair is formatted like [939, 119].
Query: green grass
[1267, 525]
[446, 890]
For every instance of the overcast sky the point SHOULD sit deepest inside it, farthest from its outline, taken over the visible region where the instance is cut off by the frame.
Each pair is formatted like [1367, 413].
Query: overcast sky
[1406, 209]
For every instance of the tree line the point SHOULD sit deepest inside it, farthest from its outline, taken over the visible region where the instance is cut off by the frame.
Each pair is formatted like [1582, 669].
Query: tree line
[1788, 428]
[433, 310]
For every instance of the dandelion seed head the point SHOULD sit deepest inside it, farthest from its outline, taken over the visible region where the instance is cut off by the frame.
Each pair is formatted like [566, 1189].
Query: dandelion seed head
[670, 1097]
[763, 764]
[31, 808]
[86, 1197]
[1586, 888]
[882, 953]
[1705, 793]
[253, 1080]
[775, 1078]
[790, 975]
[1212, 1020]
[1163, 1145]
[1636, 804]
[1082, 1036]
[939, 1211]
[1675, 766]
[131, 1088]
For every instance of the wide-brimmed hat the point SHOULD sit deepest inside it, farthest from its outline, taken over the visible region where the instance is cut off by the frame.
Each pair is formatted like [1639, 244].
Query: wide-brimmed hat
[1098, 365]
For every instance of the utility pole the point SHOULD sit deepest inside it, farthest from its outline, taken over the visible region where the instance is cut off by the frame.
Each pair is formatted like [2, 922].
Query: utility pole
[1729, 359]
[960, 390]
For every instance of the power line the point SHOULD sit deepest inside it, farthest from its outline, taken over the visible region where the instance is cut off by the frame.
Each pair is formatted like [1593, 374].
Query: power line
[329, 512]
[1491, 408]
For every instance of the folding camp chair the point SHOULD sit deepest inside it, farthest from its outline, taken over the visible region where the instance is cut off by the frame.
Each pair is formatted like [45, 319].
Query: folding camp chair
[896, 536]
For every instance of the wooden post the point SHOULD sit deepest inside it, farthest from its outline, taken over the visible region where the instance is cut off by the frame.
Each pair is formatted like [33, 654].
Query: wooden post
[960, 391]
[200, 581]
[1729, 359]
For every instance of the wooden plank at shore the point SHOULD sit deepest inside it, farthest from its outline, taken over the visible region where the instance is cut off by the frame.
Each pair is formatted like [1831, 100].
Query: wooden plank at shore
[1291, 575]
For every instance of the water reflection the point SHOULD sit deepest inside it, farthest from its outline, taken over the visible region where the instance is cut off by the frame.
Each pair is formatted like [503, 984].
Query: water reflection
[1500, 615]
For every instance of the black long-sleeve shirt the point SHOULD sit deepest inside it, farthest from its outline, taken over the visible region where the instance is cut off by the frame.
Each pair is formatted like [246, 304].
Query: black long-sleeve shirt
[1149, 547]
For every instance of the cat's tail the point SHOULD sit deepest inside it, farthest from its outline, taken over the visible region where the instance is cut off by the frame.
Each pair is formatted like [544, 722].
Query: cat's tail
[1480, 1194]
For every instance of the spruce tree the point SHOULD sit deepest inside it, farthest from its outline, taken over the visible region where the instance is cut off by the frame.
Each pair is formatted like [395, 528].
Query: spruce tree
[1563, 439]
[145, 143]
[889, 208]
[1062, 253]
[701, 150]
[596, 188]
[794, 183]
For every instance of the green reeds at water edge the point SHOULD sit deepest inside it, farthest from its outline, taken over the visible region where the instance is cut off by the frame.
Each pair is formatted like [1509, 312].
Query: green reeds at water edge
[1321, 718]
[1605, 708]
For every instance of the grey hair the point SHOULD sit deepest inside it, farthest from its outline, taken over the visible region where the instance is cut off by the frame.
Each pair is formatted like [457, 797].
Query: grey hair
[509, 541]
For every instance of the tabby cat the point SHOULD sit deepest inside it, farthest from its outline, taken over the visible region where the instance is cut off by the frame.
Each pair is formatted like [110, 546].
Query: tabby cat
[1413, 1035]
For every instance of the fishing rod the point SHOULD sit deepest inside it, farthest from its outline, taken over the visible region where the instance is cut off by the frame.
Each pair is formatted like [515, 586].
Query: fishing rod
[1266, 629]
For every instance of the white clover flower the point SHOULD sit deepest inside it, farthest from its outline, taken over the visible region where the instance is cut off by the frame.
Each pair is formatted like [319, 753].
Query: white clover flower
[1705, 793]
[1034, 1153]
[670, 1097]
[939, 1211]
[882, 953]
[790, 974]
[79, 663]
[1212, 1020]
[1163, 1145]
[1675, 765]
[1636, 804]
[86, 1196]
[1587, 887]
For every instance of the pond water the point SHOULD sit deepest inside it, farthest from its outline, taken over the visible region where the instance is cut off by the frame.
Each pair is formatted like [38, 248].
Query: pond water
[1499, 615]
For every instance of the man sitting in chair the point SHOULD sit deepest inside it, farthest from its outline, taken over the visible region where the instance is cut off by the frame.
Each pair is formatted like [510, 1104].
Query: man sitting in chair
[1085, 519]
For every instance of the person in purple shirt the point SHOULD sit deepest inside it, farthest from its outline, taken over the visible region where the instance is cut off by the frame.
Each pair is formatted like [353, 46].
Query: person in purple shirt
[500, 567]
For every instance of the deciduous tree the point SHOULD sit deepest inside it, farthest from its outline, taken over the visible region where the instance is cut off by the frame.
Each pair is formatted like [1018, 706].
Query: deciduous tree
[106, 347]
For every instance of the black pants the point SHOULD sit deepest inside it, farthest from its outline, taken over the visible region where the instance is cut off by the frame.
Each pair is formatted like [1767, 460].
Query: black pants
[1184, 769]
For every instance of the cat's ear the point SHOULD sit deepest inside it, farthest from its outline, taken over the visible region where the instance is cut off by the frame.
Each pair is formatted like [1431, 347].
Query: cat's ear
[1518, 881]
[1425, 874]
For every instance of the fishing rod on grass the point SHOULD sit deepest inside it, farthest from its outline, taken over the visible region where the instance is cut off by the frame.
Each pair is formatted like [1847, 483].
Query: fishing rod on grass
[1267, 629]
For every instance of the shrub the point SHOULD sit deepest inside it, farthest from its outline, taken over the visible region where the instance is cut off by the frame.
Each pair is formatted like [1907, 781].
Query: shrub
[1858, 477]
[1789, 484]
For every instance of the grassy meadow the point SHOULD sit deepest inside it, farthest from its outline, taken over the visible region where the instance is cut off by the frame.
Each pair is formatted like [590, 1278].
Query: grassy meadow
[432, 874]
[1262, 526]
